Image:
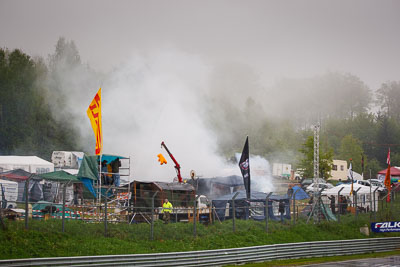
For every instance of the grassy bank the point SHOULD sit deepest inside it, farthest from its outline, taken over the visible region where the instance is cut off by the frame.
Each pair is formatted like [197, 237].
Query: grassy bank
[45, 239]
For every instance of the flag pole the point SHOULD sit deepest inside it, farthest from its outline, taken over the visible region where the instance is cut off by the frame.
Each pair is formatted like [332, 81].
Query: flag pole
[244, 166]
[388, 181]
[99, 185]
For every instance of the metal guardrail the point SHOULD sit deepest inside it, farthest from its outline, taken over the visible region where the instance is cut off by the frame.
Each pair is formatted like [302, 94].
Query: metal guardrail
[222, 256]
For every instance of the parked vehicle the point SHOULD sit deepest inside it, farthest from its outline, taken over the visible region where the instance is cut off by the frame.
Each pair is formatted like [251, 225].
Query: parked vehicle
[376, 182]
[313, 186]
[306, 182]
[181, 195]
[8, 194]
[381, 187]
[185, 213]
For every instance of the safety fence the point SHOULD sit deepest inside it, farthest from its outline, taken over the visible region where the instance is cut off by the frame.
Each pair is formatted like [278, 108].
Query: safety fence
[145, 206]
[223, 256]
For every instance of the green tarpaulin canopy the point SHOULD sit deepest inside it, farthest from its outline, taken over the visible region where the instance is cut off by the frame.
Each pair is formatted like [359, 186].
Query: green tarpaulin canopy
[90, 165]
[60, 176]
[89, 169]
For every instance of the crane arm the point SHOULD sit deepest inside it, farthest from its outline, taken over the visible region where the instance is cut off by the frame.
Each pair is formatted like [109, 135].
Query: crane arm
[177, 166]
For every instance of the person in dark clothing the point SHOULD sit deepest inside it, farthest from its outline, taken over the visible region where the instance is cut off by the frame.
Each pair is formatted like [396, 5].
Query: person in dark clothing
[78, 193]
[115, 164]
[281, 209]
[311, 201]
[332, 199]
[345, 204]
[290, 192]
[104, 171]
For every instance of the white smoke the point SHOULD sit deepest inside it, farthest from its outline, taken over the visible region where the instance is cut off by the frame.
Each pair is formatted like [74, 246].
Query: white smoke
[159, 98]
[260, 174]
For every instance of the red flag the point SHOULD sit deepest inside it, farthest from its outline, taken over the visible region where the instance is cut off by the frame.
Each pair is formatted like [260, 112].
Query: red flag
[387, 177]
[388, 157]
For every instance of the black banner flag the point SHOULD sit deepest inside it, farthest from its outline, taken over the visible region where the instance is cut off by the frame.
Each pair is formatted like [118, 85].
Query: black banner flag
[244, 166]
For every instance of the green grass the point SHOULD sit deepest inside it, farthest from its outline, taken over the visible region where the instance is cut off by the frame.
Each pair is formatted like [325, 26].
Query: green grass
[45, 239]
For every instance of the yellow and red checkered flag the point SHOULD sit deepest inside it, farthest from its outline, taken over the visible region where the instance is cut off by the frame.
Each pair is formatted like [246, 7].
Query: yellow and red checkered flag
[94, 114]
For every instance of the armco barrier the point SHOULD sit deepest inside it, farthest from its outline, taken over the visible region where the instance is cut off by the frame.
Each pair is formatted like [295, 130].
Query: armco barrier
[223, 256]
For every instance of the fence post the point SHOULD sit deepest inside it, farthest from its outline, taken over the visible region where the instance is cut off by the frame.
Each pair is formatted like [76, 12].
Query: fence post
[234, 211]
[152, 216]
[105, 213]
[294, 206]
[195, 216]
[27, 201]
[339, 204]
[375, 204]
[176, 214]
[356, 196]
[63, 208]
[390, 204]
[267, 211]
[320, 203]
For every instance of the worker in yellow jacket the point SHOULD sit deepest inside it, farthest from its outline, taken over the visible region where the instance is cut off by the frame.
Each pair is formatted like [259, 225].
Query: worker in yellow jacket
[166, 211]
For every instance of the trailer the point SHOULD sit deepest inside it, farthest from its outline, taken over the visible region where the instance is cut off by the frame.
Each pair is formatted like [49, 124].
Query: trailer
[181, 195]
[8, 194]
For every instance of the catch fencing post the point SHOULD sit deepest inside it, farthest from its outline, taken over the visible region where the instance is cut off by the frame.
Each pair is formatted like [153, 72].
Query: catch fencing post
[267, 211]
[294, 206]
[339, 204]
[195, 216]
[176, 213]
[152, 216]
[105, 213]
[63, 208]
[320, 203]
[234, 211]
[375, 204]
[356, 196]
[390, 204]
[27, 201]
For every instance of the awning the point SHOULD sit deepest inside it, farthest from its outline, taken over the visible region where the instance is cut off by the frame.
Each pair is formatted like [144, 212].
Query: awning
[60, 176]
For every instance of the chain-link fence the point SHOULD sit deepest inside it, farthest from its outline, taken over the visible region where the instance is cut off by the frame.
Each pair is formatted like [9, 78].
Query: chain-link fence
[145, 206]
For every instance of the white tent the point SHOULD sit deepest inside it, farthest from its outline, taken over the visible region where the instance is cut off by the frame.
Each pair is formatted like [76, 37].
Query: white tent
[347, 188]
[365, 194]
[356, 175]
[30, 164]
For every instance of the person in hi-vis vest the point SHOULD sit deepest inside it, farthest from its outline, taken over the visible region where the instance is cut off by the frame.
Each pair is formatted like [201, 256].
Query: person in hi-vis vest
[166, 211]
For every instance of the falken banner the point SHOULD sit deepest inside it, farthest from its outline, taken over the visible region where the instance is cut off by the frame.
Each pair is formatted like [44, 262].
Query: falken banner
[383, 227]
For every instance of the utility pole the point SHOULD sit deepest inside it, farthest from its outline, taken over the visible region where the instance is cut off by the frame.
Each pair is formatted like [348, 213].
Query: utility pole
[316, 150]
[316, 173]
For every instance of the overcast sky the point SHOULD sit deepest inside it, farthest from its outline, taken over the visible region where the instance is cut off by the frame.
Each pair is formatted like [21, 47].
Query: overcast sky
[276, 38]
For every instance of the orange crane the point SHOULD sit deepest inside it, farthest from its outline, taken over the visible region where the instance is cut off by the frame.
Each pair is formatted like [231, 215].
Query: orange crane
[177, 166]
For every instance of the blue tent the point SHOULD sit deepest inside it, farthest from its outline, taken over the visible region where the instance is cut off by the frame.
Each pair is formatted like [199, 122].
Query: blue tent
[242, 205]
[299, 193]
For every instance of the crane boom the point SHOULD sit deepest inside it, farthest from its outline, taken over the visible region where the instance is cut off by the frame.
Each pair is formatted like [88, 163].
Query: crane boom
[177, 166]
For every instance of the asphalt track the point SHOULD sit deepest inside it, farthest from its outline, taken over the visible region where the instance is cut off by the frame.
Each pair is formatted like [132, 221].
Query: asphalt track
[376, 262]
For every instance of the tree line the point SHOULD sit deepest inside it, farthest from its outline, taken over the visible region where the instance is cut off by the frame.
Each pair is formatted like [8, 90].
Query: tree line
[28, 123]
[356, 122]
